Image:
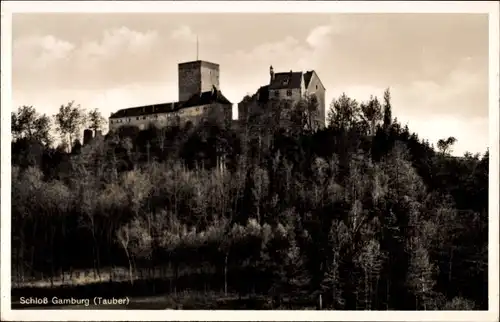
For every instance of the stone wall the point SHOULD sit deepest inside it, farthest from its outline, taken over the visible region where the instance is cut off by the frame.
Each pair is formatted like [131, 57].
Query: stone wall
[315, 87]
[197, 77]
[289, 94]
[191, 114]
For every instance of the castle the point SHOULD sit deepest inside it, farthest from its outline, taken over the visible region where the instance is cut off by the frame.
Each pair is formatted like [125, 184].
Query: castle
[200, 98]
[292, 86]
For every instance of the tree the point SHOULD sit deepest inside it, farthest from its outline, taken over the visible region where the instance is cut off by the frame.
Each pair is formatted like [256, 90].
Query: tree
[370, 260]
[444, 146]
[344, 113]
[421, 273]
[69, 121]
[387, 110]
[28, 124]
[123, 238]
[372, 114]
[326, 221]
[304, 115]
[96, 120]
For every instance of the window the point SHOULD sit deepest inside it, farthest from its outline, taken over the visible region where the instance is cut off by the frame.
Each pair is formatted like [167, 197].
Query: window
[277, 93]
[137, 118]
[129, 119]
[316, 86]
[111, 121]
[289, 92]
[144, 117]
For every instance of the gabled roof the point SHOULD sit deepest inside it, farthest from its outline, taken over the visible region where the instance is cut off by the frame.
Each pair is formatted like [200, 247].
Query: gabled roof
[307, 77]
[286, 80]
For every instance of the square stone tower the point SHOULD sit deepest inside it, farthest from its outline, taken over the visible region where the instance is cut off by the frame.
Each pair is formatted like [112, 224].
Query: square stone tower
[197, 77]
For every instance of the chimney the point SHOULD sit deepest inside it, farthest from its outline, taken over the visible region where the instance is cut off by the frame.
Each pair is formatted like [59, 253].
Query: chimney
[271, 72]
[215, 92]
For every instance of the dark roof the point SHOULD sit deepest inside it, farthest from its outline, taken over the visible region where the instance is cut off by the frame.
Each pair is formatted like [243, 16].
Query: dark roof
[204, 98]
[209, 97]
[307, 77]
[147, 109]
[286, 80]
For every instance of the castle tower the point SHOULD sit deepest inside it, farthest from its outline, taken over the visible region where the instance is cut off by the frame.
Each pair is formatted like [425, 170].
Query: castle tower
[197, 77]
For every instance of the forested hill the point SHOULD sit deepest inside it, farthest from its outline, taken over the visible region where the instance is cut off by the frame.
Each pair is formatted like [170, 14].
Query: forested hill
[363, 213]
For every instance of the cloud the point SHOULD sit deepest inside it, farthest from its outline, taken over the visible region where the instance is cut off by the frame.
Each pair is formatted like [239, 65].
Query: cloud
[183, 33]
[116, 42]
[186, 34]
[119, 55]
[365, 49]
[40, 52]
[319, 35]
[434, 64]
[463, 94]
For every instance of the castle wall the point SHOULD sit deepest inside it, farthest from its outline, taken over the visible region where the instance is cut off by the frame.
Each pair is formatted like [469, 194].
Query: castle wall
[296, 94]
[315, 87]
[210, 75]
[191, 114]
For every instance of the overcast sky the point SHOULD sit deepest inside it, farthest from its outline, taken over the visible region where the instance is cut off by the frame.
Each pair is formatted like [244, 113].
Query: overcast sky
[435, 64]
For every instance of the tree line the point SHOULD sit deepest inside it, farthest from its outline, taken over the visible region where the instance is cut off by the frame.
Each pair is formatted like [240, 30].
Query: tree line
[362, 214]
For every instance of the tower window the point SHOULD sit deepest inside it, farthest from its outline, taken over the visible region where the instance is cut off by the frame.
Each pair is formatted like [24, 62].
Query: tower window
[289, 92]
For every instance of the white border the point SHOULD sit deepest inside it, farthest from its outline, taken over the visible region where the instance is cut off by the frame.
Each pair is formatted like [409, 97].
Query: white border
[492, 8]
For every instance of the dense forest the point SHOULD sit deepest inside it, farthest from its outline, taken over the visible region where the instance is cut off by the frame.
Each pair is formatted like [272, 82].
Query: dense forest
[360, 215]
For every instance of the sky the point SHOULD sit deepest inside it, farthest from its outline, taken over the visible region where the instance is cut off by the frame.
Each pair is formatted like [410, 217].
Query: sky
[436, 65]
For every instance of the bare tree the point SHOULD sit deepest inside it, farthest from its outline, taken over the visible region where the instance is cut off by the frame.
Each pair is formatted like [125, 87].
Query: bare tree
[123, 237]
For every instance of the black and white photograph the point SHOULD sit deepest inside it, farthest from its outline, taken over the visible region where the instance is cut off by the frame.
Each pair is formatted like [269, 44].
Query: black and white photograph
[243, 160]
